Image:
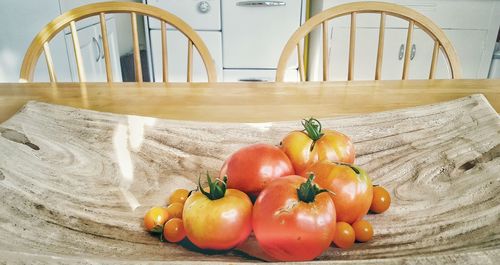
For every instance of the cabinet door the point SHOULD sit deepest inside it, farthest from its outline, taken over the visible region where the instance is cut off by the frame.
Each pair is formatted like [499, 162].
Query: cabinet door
[93, 53]
[365, 57]
[177, 56]
[255, 35]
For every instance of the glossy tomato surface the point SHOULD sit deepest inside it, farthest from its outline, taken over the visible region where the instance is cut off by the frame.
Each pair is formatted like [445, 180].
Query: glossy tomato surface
[218, 224]
[332, 146]
[351, 186]
[289, 229]
[381, 200]
[252, 167]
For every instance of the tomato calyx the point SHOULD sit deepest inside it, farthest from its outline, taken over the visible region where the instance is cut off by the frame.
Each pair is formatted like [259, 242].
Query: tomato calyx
[308, 190]
[312, 127]
[217, 187]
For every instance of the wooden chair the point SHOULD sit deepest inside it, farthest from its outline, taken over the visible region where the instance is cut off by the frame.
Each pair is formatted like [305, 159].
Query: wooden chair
[414, 18]
[40, 43]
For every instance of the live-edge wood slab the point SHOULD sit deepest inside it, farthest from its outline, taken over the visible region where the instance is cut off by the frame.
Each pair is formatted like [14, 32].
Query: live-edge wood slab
[75, 184]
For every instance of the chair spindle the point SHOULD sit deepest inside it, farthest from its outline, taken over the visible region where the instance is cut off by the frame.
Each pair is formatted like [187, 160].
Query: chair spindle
[406, 63]
[380, 51]
[50, 64]
[78, 53]
[105, 44]
[137, 54]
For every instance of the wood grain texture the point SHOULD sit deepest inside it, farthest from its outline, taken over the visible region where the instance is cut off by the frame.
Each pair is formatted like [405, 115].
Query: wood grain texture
[74, 184]
[245, 102]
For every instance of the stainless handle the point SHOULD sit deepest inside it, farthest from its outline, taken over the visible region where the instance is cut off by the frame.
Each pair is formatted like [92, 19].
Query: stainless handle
[96, 43]
[203, 7]
[102, 47]
[261, 3]
[401, 52]
[253, 80]
[413, 51]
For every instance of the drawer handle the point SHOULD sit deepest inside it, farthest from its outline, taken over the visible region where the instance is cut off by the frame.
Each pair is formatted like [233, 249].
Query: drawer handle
[413, 51]
[401, 52]
[261, 3]
[252, 80]
[98, 48]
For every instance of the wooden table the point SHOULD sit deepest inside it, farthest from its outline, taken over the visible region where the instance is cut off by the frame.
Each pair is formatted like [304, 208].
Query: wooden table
[75, 184]
[246, 101]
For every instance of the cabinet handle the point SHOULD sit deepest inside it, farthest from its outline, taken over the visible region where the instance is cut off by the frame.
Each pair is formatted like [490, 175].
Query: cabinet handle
[261, 3]
[253, 80]
[96, 43]
[413, 51]
[101, 46]
[401, 52]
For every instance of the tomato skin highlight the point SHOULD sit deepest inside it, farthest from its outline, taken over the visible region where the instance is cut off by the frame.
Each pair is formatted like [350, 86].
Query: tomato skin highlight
[363, 230]
[252, 167]
[175, 210]
[218, 224]
[173, 231]
[179, 195]
[331, 145]
[155, 218]
[381, 200]
[288, 229]
[353, 191]
[344, 235]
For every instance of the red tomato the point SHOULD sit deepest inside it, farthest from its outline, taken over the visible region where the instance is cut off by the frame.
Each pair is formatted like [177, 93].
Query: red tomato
[252, 167]
[293, 220]
[219, 219]
[363, 230]
[381, 200]
[351, 186]
[313, 144]
[344, 235]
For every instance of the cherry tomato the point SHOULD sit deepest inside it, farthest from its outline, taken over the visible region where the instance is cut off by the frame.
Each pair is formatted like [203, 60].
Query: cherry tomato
[344, 235]
[351, 186]
[175, 210]
[155, 218]
[173, 231]
[293, 220]
[219, 219]
[363, 230]
[307, 147]
[381, 200]
[179, 195]
[252, 167]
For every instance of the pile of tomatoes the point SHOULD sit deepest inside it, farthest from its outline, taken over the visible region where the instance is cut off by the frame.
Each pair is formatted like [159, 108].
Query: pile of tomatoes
[297, 198]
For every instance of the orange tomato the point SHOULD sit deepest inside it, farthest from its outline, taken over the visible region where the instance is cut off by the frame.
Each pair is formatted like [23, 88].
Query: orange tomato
[175, 210]
[363, 230]
[351, 186]
[179, 195]
[219, 219]
[173, 231]
[344, 235]
[293, 220]
[307, 147]
[155, 218]
[381, 200]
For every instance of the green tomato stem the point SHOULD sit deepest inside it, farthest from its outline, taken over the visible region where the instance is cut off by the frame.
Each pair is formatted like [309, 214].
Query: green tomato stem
[217, 187]
[313, 130]
[307, 191]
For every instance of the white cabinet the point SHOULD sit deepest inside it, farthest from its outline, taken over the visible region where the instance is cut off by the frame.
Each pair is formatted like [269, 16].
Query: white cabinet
[245, 38]
[92, 50]
[254, 36]
[471, 26]
[177, 56]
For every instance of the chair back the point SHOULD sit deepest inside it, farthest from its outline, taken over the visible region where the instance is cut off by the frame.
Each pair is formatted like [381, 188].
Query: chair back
[441, 42]
[41, 41]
